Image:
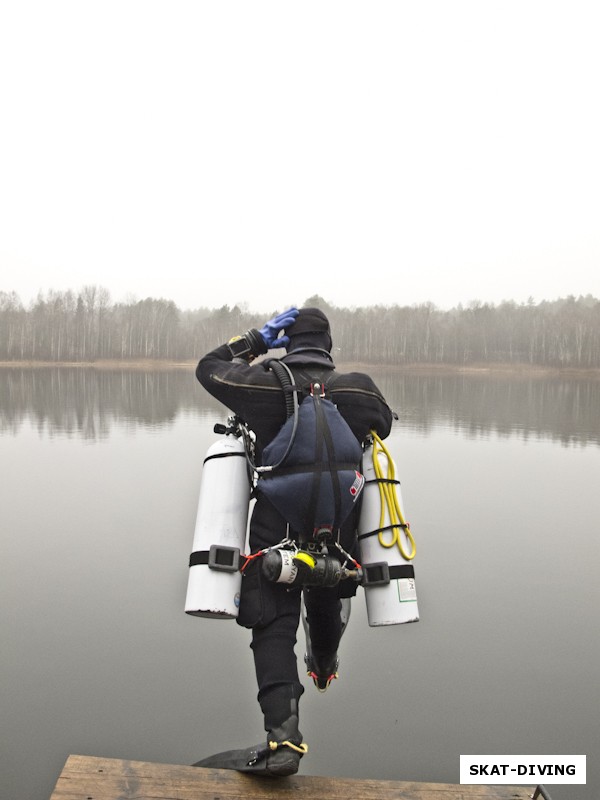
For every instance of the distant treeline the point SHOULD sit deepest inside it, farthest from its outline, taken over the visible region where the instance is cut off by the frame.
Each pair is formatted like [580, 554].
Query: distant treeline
[87, 326]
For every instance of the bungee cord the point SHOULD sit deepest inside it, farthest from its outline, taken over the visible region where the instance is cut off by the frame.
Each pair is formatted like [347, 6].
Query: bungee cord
[390, 502]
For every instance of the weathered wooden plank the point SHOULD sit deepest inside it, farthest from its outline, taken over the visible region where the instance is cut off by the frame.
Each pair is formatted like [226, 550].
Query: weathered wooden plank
[92, 778]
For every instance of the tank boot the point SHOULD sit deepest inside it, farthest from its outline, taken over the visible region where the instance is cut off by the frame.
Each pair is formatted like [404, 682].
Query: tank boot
[323, 667]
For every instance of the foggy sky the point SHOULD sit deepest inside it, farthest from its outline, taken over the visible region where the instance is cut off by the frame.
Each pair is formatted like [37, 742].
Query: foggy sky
[259, 153]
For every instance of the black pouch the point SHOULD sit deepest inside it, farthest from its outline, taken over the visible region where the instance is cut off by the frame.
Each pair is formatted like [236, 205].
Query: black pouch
[258, 603]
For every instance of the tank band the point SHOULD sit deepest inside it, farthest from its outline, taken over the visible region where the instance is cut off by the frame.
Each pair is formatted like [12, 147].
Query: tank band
[381, 573]
[226, 455]
[402, 525]
[219, 557]
[198, 557]
[402, 571]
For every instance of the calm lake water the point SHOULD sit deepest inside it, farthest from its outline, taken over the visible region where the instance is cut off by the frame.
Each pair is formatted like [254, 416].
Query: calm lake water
[100, 478]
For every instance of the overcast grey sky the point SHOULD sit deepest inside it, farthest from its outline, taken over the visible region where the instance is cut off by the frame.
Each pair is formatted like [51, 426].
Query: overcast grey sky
[261, 152]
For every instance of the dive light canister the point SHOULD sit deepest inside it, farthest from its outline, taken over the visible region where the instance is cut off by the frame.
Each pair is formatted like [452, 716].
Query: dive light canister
[388, 577]
[300, 568]
[279, 566]
[214, 580]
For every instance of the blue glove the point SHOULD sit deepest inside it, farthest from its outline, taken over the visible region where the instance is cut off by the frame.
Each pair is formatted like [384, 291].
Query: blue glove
[270, 329]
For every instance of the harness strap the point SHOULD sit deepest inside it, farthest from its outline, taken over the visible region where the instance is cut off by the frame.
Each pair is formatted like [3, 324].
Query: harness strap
[299, 469]
[324, 435]
[318, 469]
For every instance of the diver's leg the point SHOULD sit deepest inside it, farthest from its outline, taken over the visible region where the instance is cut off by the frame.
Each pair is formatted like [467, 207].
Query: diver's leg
[279, 687]
[325, 616]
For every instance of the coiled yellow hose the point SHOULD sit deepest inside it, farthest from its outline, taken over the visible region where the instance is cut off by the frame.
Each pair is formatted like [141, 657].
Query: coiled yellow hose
[390, 502]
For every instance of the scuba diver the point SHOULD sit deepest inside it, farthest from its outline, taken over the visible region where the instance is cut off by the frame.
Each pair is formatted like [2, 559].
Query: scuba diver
[271, 609]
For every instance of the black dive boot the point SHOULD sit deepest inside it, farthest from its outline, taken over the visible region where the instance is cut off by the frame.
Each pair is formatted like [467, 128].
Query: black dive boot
[278, 757]
[286, 749]
[322, 668]
[283, 738]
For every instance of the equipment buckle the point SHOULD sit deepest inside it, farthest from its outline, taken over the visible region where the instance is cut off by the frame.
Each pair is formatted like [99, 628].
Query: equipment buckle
[376, 574]
[224, 559]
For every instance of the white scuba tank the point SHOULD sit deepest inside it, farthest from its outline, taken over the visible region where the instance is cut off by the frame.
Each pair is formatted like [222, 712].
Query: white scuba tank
[388, 577]
[214, 580]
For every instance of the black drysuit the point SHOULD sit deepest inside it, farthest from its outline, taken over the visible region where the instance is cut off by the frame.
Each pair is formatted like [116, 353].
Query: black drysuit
[272, 610]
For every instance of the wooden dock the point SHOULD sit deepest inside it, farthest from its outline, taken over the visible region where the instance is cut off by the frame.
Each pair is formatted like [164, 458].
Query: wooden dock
[91, 778]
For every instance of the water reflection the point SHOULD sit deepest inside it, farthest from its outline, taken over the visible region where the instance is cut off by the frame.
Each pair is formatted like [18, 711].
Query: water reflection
[559, 409]
[86, 402]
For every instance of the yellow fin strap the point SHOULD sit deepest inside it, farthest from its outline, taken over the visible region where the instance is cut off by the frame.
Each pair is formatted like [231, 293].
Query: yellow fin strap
[302, 748]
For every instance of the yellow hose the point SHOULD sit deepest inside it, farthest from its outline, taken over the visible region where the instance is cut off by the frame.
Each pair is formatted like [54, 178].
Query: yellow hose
[390, 501]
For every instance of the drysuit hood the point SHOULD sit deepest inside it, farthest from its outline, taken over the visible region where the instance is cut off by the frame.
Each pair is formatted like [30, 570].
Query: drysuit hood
[310, 339]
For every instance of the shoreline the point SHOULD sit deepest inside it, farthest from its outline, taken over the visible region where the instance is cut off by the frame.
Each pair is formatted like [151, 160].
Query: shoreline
[490, 370]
